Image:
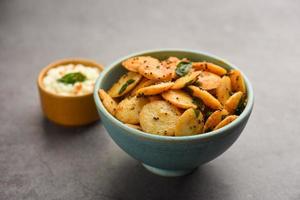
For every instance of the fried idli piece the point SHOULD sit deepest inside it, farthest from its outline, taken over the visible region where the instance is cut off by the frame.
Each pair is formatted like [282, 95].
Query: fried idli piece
[233, 102]
[208, 99]
[191, 122]
[214, 119]
[208, 80]
[157, 72]
[109, 103]
[133, 64]
[179, 99]
[171, 63]
[126, 83]
[226, 121]
[207, 66]
[223, 91]
[186, 80]
[155, 89]
[159, 117]
[128, 109]
[143, 83]
[237, 81]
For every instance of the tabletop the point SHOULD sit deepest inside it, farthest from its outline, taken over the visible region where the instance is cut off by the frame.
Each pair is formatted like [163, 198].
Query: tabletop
[40, 160]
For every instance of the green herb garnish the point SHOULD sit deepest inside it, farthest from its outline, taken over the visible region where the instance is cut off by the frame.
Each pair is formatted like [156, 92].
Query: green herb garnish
[72, 78]
[188, 83]
[183, 68]
[198, 83]
[197, 112]
[198, 103]
[123, 88]
[208, 113]
[241, 106]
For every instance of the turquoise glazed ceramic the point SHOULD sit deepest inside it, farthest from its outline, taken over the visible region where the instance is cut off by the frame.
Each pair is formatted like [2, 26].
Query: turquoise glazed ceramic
[166, 155]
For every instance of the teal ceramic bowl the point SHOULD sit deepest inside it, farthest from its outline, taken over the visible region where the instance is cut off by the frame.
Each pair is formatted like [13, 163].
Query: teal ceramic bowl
[167, 155]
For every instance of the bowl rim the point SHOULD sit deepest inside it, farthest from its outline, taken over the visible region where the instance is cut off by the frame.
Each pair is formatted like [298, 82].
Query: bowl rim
[65, 61]
[144, 135]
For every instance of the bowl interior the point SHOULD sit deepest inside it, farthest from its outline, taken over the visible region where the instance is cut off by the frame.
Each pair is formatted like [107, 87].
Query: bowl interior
[114, 71]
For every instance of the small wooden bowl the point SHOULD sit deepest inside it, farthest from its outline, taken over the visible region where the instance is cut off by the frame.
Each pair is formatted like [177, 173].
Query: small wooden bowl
[68, 110]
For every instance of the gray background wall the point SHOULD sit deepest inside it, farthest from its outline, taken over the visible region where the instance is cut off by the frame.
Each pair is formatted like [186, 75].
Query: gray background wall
[39, 160]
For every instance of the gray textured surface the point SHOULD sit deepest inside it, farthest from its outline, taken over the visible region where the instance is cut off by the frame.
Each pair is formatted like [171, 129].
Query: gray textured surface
[39, 160]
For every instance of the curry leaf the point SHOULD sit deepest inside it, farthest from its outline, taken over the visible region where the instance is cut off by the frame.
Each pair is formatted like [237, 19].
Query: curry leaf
[72, 78]
[241, 106]
[123, 88]
[183, 68]
[197, 112]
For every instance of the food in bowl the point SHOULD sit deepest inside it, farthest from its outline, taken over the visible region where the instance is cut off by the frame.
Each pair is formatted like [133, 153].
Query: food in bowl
[169, 155]
[175, 97]
[71, 79]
